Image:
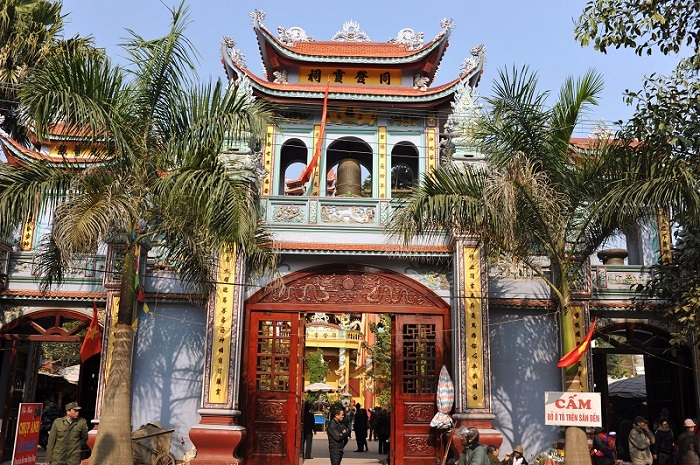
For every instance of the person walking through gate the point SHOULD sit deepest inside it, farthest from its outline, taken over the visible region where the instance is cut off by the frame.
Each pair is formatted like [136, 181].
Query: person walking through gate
[338, 435]
[309, 430]
[67, 438]
[361, 424]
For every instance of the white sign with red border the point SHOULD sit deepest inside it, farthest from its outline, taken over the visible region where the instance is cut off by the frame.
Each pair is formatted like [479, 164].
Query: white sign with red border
[572, 409]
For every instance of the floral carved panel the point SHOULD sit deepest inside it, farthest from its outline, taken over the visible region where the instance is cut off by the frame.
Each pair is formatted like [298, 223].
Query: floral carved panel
[270, 411]
[417, 445]
[269, 443]
[419, 412]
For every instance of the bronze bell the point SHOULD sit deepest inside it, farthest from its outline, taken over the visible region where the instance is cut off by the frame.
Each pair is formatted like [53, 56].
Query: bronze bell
[349, 182]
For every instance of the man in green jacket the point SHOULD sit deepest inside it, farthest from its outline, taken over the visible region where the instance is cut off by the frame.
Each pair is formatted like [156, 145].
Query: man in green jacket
[67, 438]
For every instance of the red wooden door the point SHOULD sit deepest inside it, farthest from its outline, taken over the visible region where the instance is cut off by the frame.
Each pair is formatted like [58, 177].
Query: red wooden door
[273, 378]
[418, 354]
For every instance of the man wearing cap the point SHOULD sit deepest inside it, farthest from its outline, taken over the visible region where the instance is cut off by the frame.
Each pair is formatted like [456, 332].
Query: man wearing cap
[67, 438]
[640, 441]
[689, 444]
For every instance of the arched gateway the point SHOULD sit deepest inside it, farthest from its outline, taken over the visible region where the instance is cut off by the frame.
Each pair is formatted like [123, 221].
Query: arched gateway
[273, 383]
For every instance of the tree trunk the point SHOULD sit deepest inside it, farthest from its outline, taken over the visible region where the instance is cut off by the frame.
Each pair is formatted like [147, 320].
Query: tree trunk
[113, 441]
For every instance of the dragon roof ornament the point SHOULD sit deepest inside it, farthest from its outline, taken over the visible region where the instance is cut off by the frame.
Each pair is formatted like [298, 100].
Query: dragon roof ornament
[409, 38]
[235, 54]
[478, 57]
[292, 35]
[257, 16]
[447, 24]
[351, 33]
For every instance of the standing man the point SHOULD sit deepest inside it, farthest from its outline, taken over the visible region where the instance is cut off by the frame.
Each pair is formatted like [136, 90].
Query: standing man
[67, 438]
[338, 435]
[360, 425]
[640, 441]
[473, 453]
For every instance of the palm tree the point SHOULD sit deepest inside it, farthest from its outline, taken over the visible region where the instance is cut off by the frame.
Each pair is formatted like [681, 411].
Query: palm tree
[30, 31]
[157, 174]
[534, 197]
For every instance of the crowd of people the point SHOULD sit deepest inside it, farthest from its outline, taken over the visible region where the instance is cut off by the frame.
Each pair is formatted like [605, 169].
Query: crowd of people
[341, 422]
[645, 445]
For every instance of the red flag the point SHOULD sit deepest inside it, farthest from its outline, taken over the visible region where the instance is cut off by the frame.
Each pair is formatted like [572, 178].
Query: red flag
[573, 356]
[306, 175]
[92, 344]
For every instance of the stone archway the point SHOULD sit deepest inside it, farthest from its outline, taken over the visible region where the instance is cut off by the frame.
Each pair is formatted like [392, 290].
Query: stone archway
[274, 318]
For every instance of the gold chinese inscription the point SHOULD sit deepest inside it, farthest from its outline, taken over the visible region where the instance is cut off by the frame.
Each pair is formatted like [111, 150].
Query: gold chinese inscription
[381, 152]
[351, 115]
[267, 158]
[664, 231]
[315, 187]
[577, 311]
[474, 320]
[355, 76]
[221, 343]
[27, 234]
[431, 156]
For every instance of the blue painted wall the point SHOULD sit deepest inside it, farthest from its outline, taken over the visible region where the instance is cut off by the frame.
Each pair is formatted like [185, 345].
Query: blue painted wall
[168, 367]
[524, 355]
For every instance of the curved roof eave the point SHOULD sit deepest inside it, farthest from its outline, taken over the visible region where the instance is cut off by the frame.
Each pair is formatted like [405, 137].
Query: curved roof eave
[15, 153]
[412, 56]
[373, 94]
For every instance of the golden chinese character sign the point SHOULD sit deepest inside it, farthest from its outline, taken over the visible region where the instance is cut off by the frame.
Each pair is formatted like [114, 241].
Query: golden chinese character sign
[221, 329]
[474, 321]
[358, 76]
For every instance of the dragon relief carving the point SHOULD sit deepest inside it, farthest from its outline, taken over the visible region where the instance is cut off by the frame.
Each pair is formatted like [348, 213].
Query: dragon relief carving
[292, 35]
[351, 33]
[348, 289]
[420, 82]
[409, 38]
[281, 76]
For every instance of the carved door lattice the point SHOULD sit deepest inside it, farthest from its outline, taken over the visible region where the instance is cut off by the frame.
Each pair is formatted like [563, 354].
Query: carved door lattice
[273, 355]
[419, 359]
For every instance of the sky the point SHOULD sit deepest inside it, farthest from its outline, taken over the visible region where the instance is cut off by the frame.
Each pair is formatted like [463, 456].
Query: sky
[536, 33]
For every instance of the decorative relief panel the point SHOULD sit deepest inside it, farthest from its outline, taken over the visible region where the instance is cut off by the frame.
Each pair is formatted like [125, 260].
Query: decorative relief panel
[419, 413]
[269, 443]
[287, 214]
[347, 214]
[269, 411]
[348, 288]
[418, 445]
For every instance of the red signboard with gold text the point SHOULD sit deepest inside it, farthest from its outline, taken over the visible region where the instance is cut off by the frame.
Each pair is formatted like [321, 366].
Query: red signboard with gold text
[27, 435]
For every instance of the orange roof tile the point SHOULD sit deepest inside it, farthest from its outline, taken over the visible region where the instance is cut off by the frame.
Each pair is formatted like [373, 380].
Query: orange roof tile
[351, 49]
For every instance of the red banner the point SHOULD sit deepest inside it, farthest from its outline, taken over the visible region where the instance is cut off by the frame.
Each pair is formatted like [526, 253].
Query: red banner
[27, 434]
